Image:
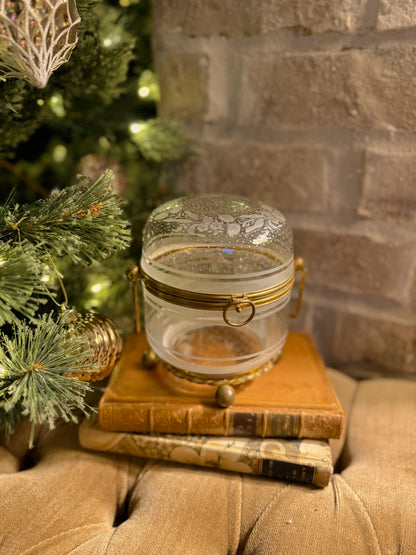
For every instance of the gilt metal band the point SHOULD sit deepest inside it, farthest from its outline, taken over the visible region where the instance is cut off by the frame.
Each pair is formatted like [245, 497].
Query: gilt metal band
[213, 301]
[192, 299]
[221, 380]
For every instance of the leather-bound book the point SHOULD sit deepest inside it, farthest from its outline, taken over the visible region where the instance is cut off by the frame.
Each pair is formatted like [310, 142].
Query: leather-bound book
[307, 461]
[294, 398]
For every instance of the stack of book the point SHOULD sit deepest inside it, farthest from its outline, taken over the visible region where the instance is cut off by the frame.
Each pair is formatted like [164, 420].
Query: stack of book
[279, 425]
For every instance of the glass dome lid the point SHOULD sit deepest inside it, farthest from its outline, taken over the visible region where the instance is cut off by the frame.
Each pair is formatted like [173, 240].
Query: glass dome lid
[217, 243]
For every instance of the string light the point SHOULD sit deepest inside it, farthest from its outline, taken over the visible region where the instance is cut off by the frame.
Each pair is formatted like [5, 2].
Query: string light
[127, 3]
[59, 153]
[148, 86]
[143, 92]
[111, 40]
[101, 291]
[101, 286]
[136, 127]
[56, 104]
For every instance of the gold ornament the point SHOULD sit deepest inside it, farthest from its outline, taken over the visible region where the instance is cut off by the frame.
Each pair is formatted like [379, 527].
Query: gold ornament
[102, 337]
[36, 37]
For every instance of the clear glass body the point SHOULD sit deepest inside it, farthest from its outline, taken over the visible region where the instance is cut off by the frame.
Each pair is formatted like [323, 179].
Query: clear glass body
[214, 246]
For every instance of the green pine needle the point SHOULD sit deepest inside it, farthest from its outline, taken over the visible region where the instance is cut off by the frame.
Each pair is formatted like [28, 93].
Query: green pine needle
[83, 221]
[160, 140]
[21, 291]
[35, 368]
[20, 114]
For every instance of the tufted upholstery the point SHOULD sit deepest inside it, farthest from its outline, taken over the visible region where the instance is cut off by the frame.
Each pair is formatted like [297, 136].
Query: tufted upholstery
[62, 499]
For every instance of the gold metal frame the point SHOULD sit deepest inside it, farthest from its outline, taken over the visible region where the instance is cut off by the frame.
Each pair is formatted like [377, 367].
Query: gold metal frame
[212, 301]
[236, 380]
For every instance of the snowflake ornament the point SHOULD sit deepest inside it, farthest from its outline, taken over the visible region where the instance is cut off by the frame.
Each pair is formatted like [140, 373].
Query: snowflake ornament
[36, 37]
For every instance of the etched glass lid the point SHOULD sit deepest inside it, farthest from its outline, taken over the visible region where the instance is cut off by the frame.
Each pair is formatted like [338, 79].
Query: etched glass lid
[205, 242]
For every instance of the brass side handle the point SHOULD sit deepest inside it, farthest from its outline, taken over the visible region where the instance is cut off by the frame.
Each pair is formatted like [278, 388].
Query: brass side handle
[133, 275]
[299, 267]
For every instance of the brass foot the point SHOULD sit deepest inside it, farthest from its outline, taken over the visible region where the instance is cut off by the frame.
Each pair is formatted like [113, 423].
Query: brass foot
[225, 395]
[149, 359]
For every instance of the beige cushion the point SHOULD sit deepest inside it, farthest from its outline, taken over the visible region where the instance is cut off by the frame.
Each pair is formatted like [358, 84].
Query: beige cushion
[63, 499]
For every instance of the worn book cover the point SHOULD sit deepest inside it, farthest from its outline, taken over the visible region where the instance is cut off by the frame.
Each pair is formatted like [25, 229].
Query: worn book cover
[307, 461]
[294, 398]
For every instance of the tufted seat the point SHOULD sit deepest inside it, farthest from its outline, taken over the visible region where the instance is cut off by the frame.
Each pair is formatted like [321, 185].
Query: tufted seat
[60, 499]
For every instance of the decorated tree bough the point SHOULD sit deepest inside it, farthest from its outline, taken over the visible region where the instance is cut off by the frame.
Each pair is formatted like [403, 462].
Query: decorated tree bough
[82, 156]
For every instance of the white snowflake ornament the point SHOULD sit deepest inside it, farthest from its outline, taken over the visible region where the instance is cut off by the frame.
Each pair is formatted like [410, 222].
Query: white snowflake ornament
[36, 37]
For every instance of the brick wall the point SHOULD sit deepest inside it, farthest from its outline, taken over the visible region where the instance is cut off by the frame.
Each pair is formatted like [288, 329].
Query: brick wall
[310, 105]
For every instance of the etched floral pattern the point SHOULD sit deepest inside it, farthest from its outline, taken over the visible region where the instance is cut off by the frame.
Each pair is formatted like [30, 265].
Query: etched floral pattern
[188, 222]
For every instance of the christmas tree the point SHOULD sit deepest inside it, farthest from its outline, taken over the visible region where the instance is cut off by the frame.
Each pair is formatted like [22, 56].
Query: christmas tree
[82, 153]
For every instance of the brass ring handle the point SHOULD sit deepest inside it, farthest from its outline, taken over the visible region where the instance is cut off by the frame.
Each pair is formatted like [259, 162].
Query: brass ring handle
[239, 305]
[299, 266]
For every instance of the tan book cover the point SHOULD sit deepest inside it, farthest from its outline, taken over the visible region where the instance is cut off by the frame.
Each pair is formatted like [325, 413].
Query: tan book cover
[294, 398]
[306, 461]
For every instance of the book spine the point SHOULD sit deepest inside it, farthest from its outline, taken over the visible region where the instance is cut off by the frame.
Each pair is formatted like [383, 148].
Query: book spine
[126, 417]
[295, 472]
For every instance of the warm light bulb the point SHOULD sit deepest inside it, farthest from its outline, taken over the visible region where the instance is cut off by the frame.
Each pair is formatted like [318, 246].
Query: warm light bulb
[136, 127]
[111, 40]
[56, 104]
[143, 92]
[127, 3]
[59, 153]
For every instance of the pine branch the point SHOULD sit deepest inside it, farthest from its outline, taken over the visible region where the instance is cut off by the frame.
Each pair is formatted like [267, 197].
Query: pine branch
[21, 290]
[101, 74]
[20, 114]
[83, 221]
[35, 368]
[99, 64]
[160, 140]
